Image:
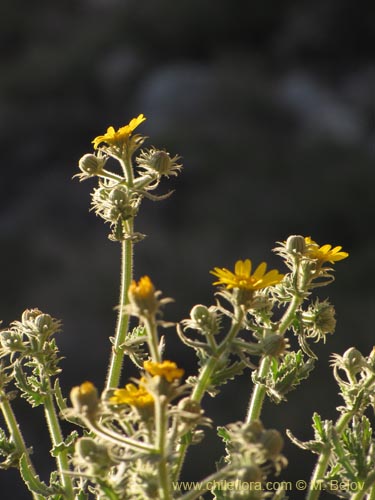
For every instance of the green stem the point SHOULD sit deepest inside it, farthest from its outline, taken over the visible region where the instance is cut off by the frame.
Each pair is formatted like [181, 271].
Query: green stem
[205, 375]
[161, 421]
[117, 357]
[152, 337]
[315, 487]
[209, 368]
[118, 439]
[367, 484]
[323, 460]
[259, 390]
[16, 436]
[57, 439]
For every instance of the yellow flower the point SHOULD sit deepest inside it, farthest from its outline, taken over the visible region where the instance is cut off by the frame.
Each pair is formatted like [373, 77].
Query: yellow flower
[117, 138]
[132, 395]
[324, 253]
[166, 369]
[243, 279]
[142, 297]
[143, 289]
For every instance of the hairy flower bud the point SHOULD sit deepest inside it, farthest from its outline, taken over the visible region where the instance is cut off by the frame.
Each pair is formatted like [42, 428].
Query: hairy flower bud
[273, 442]
[274, 344]
[93, 456]
[192, 410]
[85, 398]
[296, 244]
[159, 162]
[91, 164]
[11, 341]
[353, 360]
[204, 319]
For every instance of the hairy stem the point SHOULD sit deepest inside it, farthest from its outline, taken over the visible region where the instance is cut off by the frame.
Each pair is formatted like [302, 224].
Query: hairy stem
[323, 460]
[259, 390]
[205, 375]
[161, 421]
[117, 439]
[152, 337]
[16, 435]
[56, 439]
[117, 357]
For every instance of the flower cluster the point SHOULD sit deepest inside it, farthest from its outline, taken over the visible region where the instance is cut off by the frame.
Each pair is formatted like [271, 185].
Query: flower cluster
[132, 440]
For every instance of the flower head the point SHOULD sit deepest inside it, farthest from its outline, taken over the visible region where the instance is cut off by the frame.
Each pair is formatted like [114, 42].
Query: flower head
[133, 396]
[243, 279]
[324, 253]
[142, 296]
[166, 369]
[118, 137]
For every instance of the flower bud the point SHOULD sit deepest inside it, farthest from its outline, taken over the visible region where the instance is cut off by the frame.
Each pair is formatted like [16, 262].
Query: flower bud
[30, 315]
[204, 319]
[353, 360]
[296, 244]
[192, 408]
[11, 341]
[159, 161]
[274, 344]
[91, 164]
[85, 398]
[272, 442]
[92, 456]
[119, 196]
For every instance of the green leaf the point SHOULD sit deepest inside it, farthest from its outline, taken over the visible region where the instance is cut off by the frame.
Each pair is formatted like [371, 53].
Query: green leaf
[60, 400]
[228, 372]
[67, 445]
[33, 397]
[223, 433]
[32, 481]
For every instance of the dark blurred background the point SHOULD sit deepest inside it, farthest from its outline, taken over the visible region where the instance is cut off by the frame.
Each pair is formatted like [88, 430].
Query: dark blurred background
[271, 106]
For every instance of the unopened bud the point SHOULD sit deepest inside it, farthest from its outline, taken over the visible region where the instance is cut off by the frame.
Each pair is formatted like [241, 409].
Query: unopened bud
[272, 442]
[274, 344]
[85, 398]
[296, 244]
[91, 164]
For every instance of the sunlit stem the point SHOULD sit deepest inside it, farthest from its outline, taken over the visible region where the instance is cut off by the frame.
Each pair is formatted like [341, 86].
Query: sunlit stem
[56, 439]
[259, 390]
[16, 435]
[161, 421]
[323, 460]
[152, 337]
[117, 357]
[204, 378]
[118, 439]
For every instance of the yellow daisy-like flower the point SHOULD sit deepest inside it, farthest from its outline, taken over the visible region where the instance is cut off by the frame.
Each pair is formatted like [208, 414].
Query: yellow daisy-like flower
[324, 253]
[117, 137]
[243, 279]
[132, 395]
[143, 289]
[166, 369]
